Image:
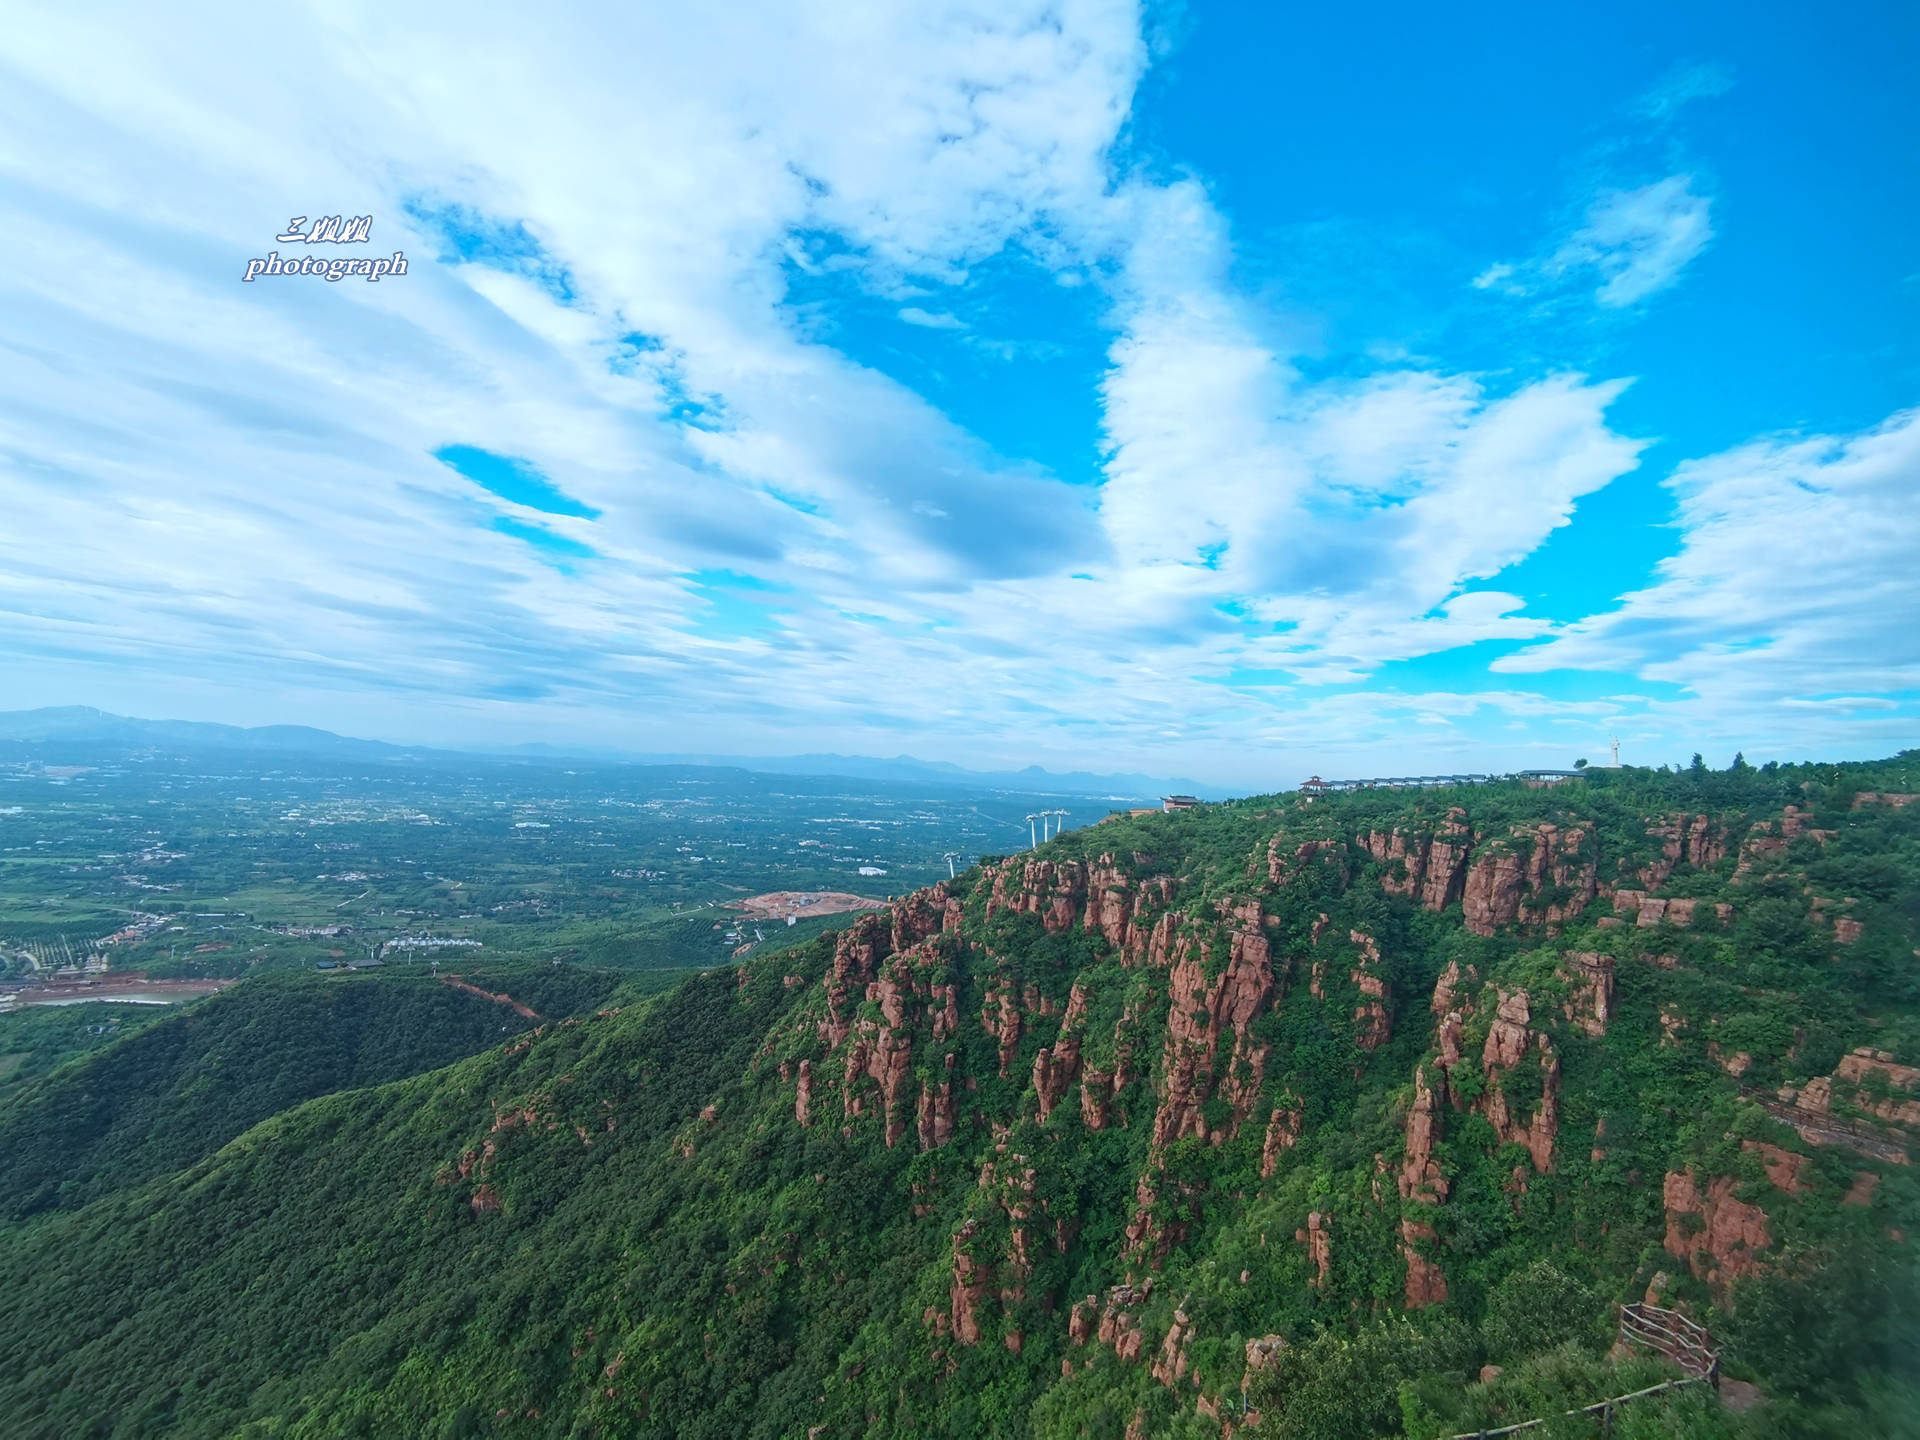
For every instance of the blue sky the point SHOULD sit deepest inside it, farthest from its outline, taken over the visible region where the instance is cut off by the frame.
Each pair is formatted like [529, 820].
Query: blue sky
[1226, 390]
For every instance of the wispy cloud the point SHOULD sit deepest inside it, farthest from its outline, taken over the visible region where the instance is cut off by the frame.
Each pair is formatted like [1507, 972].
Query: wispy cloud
[914, 315]
[1682, 85]
[1796, 584]
[1635, 243]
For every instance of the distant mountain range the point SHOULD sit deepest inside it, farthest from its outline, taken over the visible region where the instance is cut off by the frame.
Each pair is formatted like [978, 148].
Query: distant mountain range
[71, 726]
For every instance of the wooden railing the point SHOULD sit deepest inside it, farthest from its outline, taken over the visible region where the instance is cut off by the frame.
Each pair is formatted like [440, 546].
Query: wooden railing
[1672, 1334]
[1603, 1408]
[1683, 1341]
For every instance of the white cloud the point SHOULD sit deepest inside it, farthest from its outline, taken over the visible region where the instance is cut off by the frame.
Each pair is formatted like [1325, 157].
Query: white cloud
[1682, 85]
[931, 320]
[219, 486]
[1796, 584]
[1635, 243]
[1639, 240]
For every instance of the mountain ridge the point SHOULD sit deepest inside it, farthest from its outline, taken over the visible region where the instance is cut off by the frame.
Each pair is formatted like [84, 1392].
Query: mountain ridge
[80, 724]
[1330, 1104]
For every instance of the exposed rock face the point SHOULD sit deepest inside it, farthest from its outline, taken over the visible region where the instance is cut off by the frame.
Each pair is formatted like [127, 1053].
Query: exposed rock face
[1491, 897]
[1759, 850]
[1196, 1016]
[1080, 1320]
[803, 1097]
[972, 1283]
[1319, 1245]
[856, 955]
[1405, 860]
[1151, 1235]
[1283, 1133]
[1507, 1039]
[1549, 878]
[1284, 860]
[1000, 1014]
[1431, 868]
[1170, 1365]
[1866, 1065]
[934, 1114]
[1054, 1069]
[1871, 797]
[1783, 1167]
[1591, 976]
[1691, 838]
[1508, 1044]
[1422, 1182]
[1446, 868]
[1420, 1177]
[1051, 891]
[1426, 1282]
[1447, 987]
[1119, 1326]
[1097, 1089]
[1727, 1235]
[1372, 1022]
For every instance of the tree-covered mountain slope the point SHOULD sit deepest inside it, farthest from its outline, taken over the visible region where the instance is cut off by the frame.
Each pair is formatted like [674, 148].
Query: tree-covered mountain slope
[179, 1088]
[1311, 1108]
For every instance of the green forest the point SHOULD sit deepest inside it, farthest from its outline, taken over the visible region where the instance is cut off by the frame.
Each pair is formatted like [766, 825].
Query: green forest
[1307, 1116]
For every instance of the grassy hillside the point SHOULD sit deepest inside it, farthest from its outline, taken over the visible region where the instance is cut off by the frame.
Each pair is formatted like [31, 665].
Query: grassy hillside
[1325, 1105]
[176, 1089]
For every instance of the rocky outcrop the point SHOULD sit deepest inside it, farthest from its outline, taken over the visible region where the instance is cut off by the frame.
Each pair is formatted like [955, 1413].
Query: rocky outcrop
[933, 1116]
[1682, 837]
[1448, 985]
[1784, 1168]
[1446, 867]
[1420, 1176]
[1426, 1282]
[1283, 1133]
[1196, 1016]
[1319, 1243]
[972, 1283]
[1081, 1320]
[1170, 1365]
[1422, 1183]
[1760, 851]
[1718, 1236]
[1875, 1070]
[803, 1097]
[1491, 897]
[1285, 860]
[1542, 874]
[1120, 1322]
[1157, 1227]
[1051, 890]
[1431, 868]
[1509, 1042]
[1372, 1021]
[1590, 977]
[1054, 1069]
[1000, 1015]
[1508, 1037]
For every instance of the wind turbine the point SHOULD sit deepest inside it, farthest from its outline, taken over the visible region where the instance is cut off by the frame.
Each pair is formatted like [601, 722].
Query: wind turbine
[950, 857]
[1059, 824]
[1032, 844]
